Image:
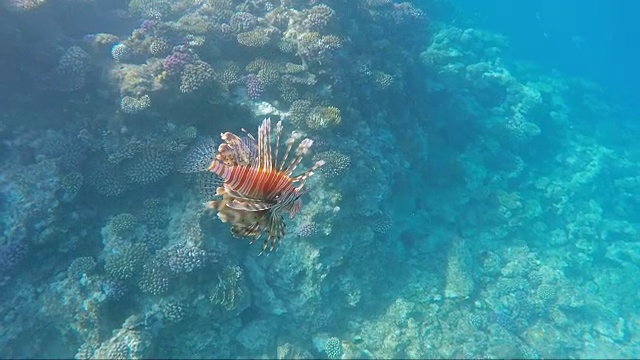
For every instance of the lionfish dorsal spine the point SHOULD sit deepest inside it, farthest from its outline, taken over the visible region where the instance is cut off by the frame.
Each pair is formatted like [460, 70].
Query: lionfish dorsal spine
[289, 143]
[302, 178]
[278, 133]
[264, 144]
[301, 151]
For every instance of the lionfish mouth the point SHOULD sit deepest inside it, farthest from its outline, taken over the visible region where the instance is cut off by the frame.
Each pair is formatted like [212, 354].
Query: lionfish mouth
[253, 184]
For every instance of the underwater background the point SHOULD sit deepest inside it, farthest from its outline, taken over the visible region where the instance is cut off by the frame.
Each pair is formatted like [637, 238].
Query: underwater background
[479, 197]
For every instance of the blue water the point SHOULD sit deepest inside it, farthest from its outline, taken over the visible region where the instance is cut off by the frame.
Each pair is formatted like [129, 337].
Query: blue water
[318, 179]
[592, 39]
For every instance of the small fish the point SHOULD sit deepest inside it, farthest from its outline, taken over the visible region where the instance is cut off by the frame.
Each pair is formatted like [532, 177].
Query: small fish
[254, 186]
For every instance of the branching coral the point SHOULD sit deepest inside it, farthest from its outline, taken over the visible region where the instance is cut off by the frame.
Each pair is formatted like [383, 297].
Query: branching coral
[259, 37]
[318, 17]
[336, 163]
[80, 266]
[196, 76]
[148, 167]
[133, 105]
[127, 262]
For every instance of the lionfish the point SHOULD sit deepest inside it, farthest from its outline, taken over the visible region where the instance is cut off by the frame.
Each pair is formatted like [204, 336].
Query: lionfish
[254, 187]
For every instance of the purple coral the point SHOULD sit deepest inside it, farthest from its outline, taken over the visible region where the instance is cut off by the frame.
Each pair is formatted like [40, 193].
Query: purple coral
[254, 86]
[176, 62]
[149, 26]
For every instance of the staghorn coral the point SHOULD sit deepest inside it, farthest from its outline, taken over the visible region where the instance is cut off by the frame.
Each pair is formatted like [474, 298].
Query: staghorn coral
[322, 117]
[196, 76]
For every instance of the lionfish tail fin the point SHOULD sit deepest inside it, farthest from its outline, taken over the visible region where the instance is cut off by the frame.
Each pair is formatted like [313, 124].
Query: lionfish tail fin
[198, 157]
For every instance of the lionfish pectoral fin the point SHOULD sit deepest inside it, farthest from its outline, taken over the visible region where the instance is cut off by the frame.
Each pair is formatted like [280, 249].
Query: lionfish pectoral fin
[208, 185]
[249, 205]
[237, 151]
[198, 157]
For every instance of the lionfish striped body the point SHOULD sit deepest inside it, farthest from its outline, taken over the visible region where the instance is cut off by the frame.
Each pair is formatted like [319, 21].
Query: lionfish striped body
[256, 186]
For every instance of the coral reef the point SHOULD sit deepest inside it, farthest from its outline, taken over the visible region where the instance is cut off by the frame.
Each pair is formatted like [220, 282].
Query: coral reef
[470, 206]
